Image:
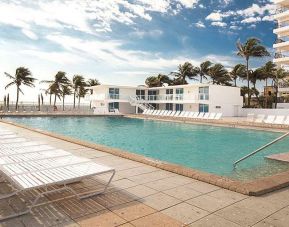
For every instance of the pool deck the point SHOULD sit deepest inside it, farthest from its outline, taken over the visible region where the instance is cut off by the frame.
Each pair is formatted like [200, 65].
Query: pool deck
[142, 195]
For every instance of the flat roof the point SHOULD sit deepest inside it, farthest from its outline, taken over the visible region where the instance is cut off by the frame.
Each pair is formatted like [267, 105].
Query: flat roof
[153, 88]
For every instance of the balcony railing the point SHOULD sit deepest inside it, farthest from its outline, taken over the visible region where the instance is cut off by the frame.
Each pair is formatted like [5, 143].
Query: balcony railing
[152, 98]
[280, 55]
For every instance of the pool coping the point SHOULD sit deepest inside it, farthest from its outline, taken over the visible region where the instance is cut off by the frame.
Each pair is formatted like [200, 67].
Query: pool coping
[252, 188]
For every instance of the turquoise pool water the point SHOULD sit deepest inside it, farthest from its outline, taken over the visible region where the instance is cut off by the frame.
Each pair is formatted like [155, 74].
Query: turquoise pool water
[206, 148]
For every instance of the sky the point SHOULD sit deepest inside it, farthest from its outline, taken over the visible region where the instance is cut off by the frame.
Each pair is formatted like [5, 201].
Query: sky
[124, 41]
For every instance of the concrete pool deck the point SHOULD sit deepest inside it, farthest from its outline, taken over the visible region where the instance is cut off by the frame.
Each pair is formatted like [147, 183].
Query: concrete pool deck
[255, 187]
[142, 195]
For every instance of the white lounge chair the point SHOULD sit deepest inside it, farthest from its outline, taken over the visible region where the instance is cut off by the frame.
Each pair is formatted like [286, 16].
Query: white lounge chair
[250, 117]
[206, 116]
[260, 118]
[161, 113]
[26, 170]
[218, 116]
[270, 119]
[165, 113]
[177, 113]
[191, 114]
[212, 116]
[182, 114]
[172, 114]
[157, 113]
[145, 111]
[279, 120]
[186, 115]
[286, 122]
[168, 113]
[201, 115]
[195, 115]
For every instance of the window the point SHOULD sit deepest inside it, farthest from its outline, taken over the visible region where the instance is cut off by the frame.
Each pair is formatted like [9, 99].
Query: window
[179, 93]
[140, 94]
[204, 93]
[179, 107]
[112, 106]
[169, 94]
[114, 93]
[169, 106]
[152, 94]
[204, 108]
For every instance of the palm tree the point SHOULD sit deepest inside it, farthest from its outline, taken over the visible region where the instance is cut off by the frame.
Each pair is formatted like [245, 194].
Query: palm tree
[78, 82]
[256, 75]
[219, 75]
[56, 85]
[280, 74]
[239, 71]
[22, 76]
[82, 91]
[269, 71]
[158, 81]
[203, 70]
[91, 83]
[251, 48]
[187, 70]
[66, 90]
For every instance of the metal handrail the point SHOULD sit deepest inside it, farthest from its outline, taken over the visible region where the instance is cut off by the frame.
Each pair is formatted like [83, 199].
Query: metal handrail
[260, 149]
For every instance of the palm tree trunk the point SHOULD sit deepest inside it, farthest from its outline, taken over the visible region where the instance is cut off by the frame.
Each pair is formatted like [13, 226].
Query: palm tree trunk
[276, 96]
[63, 102]
[78, 102]
[235, 82]
[248, 79]
[74, 99]
[55, 100]
[266, 96]
[50, 99]
[17, 98]
[201, 79]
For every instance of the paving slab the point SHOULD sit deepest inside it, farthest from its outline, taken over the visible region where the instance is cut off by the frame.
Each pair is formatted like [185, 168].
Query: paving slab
[213, 221]
[160, 201]
[185, 213]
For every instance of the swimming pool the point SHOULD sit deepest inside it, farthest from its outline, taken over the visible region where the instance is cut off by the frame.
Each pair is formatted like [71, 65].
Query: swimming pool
[207, 148]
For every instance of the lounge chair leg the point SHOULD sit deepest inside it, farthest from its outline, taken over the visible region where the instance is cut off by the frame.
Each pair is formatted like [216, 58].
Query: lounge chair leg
[16, 214]
[104, 190]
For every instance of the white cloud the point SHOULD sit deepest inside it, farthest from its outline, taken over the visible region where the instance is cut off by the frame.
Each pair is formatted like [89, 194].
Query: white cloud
[188, 3]
[200, 24]
[251, 20]
[29, 34]
[219, 24]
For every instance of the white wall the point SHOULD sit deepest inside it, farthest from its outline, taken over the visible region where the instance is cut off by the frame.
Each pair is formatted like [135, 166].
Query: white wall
[245, 111]
[283, 105]
[126, 108]
[229, 100]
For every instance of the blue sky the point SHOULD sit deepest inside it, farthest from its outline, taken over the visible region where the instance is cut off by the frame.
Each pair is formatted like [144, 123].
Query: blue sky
[124, 41]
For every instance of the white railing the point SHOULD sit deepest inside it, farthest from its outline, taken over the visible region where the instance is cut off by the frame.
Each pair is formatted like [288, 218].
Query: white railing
[152, 98]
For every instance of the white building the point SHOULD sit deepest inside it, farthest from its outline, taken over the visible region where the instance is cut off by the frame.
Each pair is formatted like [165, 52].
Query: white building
[282, 45]
[192, 97]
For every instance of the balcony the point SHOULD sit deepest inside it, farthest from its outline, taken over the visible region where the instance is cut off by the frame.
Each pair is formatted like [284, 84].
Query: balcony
[282, 30]
[281, 46]
[281, 58]
[171, 98]
[283, 3]
[282, 14]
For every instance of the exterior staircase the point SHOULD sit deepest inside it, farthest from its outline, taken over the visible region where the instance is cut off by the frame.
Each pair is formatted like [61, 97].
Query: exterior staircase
[140, 103]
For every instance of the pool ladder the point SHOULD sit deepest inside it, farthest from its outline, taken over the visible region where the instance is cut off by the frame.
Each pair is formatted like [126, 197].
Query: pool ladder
[260, 149]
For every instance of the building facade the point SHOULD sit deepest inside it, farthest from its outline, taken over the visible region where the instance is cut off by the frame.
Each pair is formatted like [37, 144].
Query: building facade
[194, 97]
[281, 47]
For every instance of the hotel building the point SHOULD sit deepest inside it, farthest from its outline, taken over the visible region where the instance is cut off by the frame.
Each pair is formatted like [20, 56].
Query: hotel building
[193, 97]
[281, 46]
